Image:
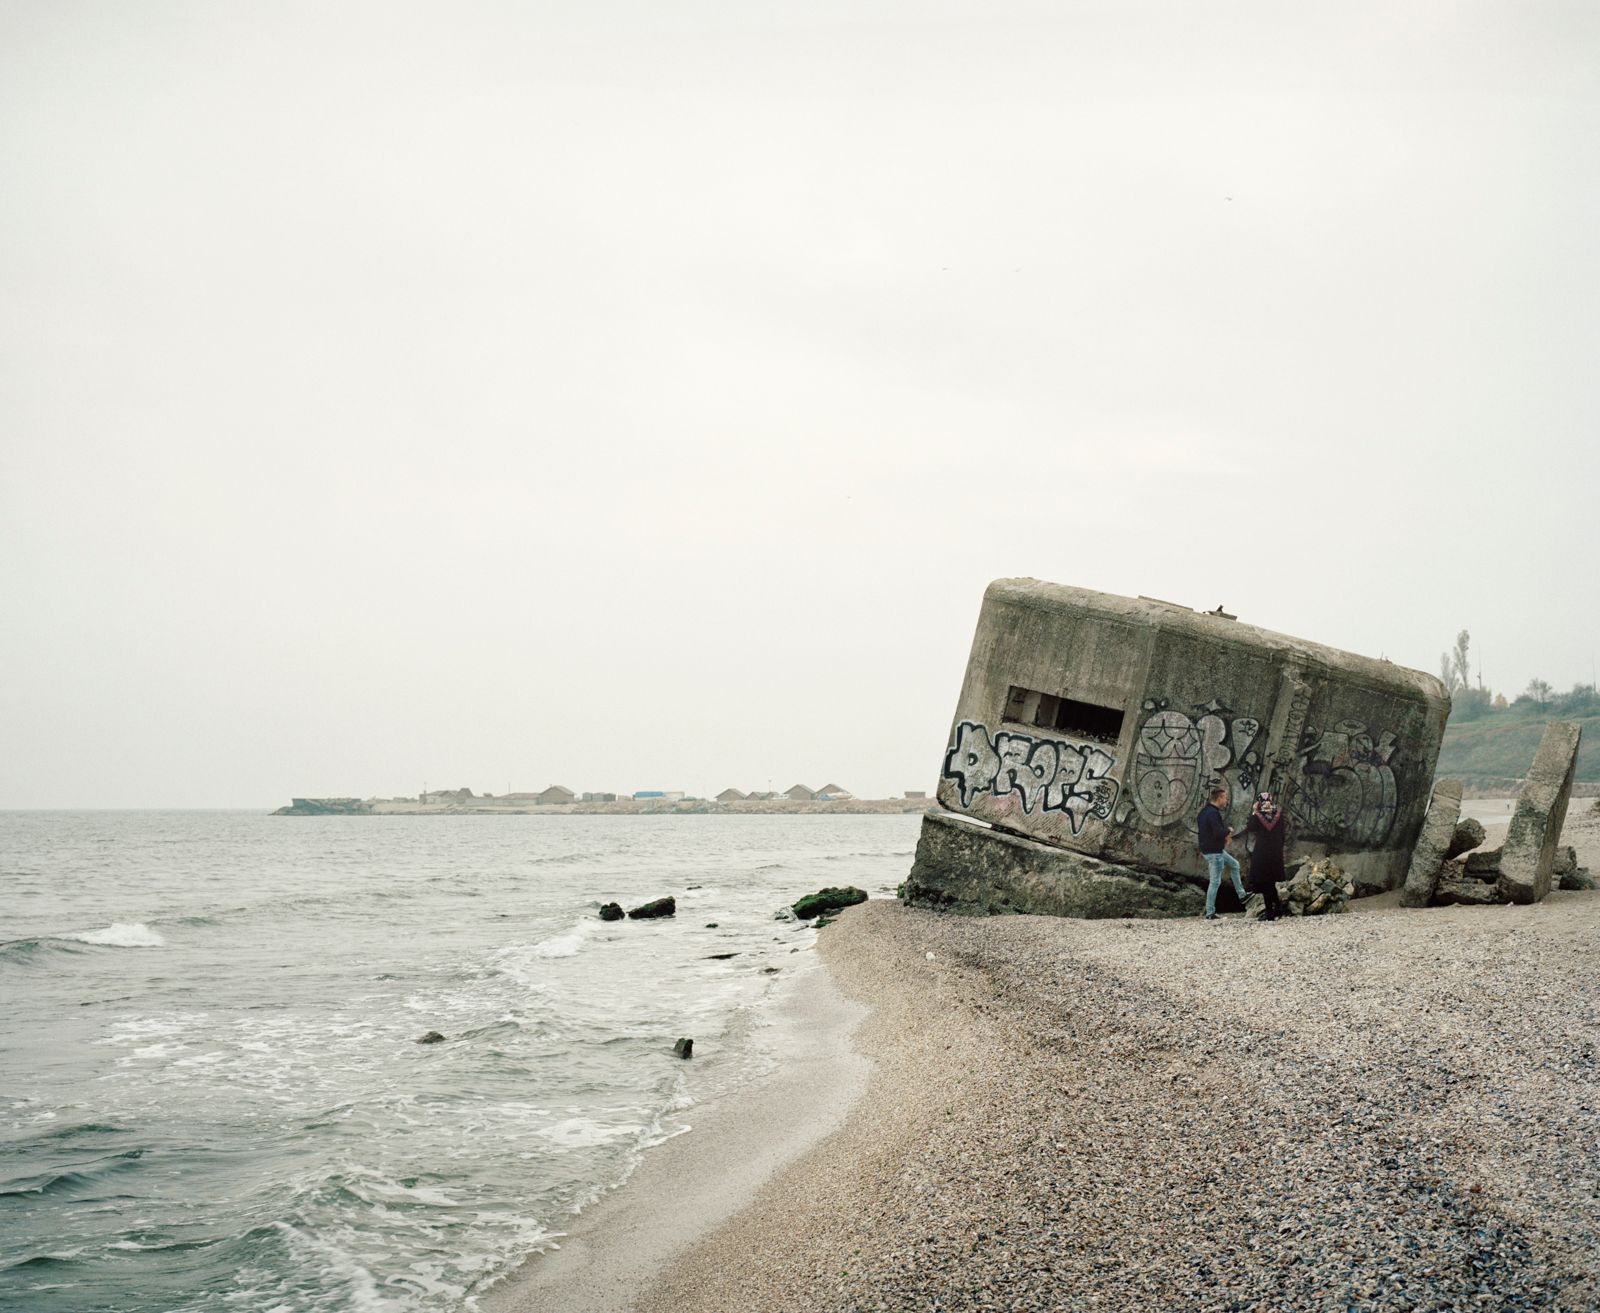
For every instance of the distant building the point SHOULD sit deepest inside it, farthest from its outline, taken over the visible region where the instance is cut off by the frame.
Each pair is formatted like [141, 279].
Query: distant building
[799, 793]
[762, 796]
[730, 795]
[599, 797]
[555, 795]
[831, 791]
[914, 793]
[659, 795]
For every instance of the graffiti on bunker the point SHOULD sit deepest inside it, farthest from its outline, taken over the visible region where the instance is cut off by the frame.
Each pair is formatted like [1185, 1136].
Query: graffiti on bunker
[1346, 790]
[1048, 774]
[1177, 755]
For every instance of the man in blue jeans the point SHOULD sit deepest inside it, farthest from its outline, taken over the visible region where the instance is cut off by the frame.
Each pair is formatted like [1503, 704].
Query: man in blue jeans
[1214, 836]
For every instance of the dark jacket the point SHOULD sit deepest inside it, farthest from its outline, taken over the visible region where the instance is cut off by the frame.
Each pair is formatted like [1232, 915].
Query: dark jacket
[1266, 852]
[1213, 829]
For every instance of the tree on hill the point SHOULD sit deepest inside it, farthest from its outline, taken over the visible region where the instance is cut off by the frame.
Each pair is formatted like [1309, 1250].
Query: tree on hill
[1453, 667]
[1539, 692]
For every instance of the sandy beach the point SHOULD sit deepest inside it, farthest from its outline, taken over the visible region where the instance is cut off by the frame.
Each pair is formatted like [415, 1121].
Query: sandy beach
[1391, 1109]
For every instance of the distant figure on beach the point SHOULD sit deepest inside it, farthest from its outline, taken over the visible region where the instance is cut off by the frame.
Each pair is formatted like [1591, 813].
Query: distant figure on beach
[1214, 837]
[1268, 833]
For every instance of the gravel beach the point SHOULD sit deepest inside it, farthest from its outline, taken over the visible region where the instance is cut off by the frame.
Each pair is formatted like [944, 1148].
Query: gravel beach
[1389, 1109]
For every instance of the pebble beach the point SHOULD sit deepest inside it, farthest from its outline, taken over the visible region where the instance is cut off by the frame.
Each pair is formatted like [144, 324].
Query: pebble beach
[1389, 1109]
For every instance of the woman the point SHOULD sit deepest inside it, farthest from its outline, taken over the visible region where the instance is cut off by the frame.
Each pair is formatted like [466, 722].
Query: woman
[1268, 831]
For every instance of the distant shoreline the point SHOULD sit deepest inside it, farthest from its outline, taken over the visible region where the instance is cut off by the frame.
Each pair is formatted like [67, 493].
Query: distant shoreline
[621, 807]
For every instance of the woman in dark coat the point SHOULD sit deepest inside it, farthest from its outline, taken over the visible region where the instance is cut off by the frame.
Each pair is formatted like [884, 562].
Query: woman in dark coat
[1268, 832]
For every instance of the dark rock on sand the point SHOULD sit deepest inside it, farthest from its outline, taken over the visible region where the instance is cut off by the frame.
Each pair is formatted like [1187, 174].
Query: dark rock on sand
[611, 912]
[828, 900]
[649, 911]
[1578, 880]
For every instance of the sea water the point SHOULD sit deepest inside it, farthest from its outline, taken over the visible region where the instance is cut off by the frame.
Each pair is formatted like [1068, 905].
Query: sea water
[211, 1092]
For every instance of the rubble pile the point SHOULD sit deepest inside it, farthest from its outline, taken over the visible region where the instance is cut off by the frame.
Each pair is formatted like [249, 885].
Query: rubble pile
[1450, 868]
[1316, 889]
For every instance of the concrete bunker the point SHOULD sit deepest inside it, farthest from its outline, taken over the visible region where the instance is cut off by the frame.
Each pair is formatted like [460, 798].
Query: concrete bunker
[1089, 727]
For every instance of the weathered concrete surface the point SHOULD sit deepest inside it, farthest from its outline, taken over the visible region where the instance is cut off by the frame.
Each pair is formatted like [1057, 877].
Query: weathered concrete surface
[1455, 888]
[1484, 864]
[1096, 723]
[1438, 829]
[1529, 852]
[1469, 834]
[967, 868]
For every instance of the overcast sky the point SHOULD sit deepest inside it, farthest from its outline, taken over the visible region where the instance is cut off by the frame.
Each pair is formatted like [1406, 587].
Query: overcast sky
[640, 394]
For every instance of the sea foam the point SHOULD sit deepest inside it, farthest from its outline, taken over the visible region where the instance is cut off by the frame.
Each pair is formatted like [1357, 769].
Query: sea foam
[120, 934]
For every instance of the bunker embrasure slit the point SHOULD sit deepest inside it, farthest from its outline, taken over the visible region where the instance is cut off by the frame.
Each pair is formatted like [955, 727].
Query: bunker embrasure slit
[1082, 720]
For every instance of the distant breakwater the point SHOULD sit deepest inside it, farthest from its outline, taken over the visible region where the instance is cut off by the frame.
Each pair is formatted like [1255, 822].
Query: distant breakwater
[621, 807]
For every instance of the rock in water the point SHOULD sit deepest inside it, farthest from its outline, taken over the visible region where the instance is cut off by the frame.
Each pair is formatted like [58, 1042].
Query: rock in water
[828, 900]
[1469, 834]
[1438, 829]
[684, 1048]
[432, 1037]
[1530, 847]
[661, 907]
[611, 912]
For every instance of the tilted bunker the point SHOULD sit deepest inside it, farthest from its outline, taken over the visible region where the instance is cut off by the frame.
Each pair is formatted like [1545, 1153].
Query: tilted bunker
[1090, 727]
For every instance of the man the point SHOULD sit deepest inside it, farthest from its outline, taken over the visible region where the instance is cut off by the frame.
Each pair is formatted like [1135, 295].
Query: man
[1214, 836]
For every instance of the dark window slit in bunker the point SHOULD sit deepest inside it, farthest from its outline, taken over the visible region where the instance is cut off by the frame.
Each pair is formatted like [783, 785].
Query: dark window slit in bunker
[1082, 720]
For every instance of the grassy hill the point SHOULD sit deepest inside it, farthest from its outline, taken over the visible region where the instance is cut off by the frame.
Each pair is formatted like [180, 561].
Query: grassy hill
[1496, 750]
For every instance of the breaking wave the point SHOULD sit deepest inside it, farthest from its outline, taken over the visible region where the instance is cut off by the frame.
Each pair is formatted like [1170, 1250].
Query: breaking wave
[120, 934]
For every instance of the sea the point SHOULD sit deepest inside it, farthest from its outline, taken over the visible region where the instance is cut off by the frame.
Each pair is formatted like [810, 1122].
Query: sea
[212, 1094]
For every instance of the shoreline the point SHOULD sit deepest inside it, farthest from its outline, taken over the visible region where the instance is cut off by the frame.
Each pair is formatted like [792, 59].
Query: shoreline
[1382, 1110]
[1390, 1109]
[686, 1187]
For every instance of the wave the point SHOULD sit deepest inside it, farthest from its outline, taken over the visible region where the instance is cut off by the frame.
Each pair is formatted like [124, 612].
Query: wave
[120, 934]
[568, 943]
[55, 1182]
[27, 950]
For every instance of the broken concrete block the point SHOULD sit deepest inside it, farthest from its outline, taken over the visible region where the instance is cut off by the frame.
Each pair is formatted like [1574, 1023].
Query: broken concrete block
[1484, 865]
[1455, 890]
[1469, 834]
[1578, 879]
[961, 868]
[1438, 829]
[1530, 847]
[1565, 861]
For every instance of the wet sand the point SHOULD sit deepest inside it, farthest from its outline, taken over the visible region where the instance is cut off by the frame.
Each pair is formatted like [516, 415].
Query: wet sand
[699, 1179]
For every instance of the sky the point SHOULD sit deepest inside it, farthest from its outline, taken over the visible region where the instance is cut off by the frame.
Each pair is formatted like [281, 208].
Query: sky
[640, 395]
